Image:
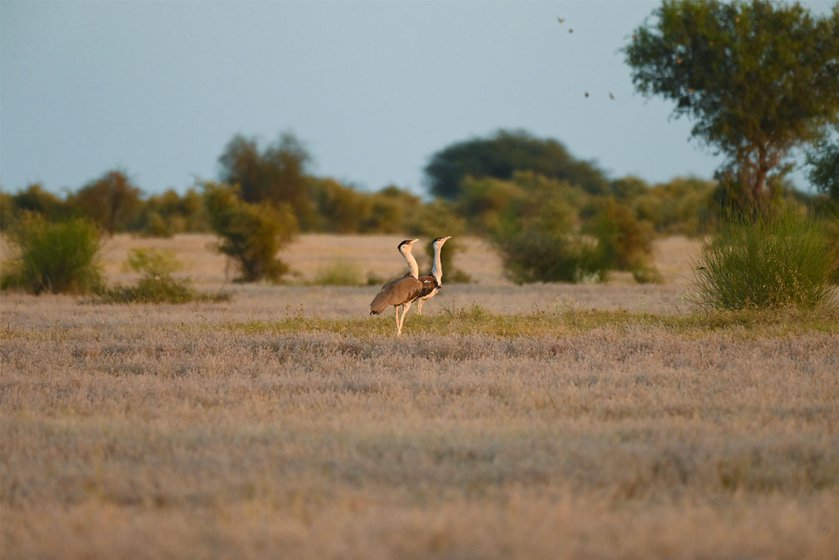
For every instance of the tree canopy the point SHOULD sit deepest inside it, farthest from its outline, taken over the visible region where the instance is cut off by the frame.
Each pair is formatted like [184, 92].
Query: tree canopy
[503, 154]
[276, 175]
[111, 201]
[759, 79]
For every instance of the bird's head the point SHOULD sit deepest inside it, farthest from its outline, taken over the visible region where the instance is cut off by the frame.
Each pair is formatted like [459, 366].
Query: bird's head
[406, 245]
[440, 240]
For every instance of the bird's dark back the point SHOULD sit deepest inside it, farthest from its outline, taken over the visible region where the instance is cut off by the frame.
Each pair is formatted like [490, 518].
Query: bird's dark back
[401, 291]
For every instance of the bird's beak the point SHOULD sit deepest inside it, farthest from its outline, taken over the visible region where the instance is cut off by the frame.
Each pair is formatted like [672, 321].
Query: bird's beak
[414, 241]
[446, 238]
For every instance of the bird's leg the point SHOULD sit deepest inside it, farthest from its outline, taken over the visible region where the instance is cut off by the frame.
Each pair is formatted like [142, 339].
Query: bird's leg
[398, 324]
[405, 308]
[419, 307]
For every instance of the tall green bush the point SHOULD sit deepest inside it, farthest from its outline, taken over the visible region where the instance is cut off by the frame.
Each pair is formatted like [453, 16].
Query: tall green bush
[55, 257]
[623, 241]
[775, 261]
[251, 234]
[547, 247]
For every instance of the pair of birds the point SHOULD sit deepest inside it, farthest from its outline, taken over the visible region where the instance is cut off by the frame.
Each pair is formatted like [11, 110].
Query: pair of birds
[401, 293]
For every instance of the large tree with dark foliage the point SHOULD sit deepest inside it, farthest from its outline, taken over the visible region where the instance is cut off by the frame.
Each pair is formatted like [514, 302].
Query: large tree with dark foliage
[112, 201]
[276, 175]
[501, 155]
[759, 78]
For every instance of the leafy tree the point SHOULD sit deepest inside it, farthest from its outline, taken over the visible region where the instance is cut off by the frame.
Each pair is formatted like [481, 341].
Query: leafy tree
[627, 188]
[623, 241]
[340, 209]
[488, 203]
[37, 200]
[503, 154]
[276, 175]
[485, 202]
[760, 78]
[169, 213]
[251, 234]
[390, 210]
[112, 201]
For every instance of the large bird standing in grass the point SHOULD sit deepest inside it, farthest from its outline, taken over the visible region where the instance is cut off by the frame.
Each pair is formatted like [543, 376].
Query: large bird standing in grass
[434, 282]
[401, 292]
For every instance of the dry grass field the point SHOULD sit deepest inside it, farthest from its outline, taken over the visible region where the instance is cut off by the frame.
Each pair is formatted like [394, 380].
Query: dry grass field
[538, 422]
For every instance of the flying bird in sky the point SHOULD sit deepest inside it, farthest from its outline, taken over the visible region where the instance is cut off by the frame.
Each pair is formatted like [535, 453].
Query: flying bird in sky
[560, 20]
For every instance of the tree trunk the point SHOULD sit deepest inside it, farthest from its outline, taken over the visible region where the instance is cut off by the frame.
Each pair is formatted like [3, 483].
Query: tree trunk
[759, 188]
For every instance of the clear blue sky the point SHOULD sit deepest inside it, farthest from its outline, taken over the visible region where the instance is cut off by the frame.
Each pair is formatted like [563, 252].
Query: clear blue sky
[371, 88]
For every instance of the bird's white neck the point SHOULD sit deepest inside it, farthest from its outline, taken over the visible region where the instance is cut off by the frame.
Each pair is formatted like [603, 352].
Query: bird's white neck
[413, 267]
[437, 265]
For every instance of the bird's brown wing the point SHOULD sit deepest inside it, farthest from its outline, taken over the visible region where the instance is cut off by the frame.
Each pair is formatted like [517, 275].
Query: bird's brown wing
[401, 291]
[429, 286]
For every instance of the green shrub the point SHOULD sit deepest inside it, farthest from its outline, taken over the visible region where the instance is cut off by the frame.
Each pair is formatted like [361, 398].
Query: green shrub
[339, 273]
[547, 247]
[53, 257]
[159, 289]
[623, 241]
[775, 261]
[251, 234]
[537, 255]
[156, 284]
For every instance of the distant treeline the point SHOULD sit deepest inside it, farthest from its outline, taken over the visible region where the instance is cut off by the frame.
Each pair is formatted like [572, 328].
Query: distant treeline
[529, 195]
[478, 184]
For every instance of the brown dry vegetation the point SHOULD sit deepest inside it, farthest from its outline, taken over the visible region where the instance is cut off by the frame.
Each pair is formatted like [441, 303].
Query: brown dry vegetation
[287, 424]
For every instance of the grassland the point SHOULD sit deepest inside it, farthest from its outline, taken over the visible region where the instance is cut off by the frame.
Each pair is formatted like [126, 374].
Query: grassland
[538, 422]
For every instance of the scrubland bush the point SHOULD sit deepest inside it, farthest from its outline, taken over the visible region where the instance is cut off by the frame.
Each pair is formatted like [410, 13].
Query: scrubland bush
[623, 241]
[339, 273]
[152, 262]
[557, 233]
[547, 247]
[251, 234]
[777, 260]
[156, 284]
[58, 257]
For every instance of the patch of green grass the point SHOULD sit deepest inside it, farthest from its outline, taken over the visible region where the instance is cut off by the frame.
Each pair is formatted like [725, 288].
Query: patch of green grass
[477, 320]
